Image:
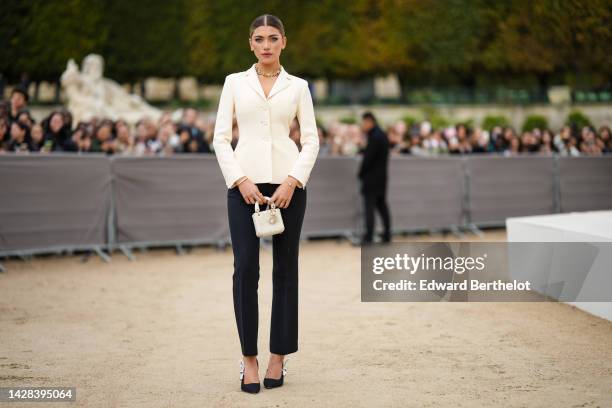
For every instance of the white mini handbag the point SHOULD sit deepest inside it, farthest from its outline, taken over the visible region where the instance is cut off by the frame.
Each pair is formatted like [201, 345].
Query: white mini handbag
[268, 222]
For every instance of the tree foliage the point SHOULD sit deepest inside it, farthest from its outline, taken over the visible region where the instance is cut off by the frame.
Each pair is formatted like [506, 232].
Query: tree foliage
[423, 41]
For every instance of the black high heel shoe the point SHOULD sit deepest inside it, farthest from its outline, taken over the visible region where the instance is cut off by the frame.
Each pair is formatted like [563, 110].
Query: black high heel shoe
[274, 383]
[252, 388]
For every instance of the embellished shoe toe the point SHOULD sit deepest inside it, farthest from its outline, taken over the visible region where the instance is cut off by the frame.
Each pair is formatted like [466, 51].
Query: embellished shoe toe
[275, 383]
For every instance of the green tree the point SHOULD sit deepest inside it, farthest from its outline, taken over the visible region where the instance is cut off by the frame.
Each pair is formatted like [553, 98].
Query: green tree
[545, 37]
[145, 38]
[48, 33]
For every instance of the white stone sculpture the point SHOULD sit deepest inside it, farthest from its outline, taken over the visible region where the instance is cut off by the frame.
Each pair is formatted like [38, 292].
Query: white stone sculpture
[90, 94]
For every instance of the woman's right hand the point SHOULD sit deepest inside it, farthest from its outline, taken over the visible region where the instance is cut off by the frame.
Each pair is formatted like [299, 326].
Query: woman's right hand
[251, 193]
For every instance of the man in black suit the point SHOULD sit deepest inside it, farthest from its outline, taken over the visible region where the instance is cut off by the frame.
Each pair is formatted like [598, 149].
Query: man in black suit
[373, 175]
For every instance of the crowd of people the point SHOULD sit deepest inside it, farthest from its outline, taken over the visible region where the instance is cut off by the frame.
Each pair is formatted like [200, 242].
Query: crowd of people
[421, 139]
[20, 132]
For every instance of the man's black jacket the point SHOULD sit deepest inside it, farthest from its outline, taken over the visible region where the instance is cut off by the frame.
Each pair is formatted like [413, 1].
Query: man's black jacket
[373, 170]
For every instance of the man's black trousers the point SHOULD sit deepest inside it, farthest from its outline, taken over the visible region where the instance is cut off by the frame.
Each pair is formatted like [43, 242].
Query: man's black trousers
[378, 201]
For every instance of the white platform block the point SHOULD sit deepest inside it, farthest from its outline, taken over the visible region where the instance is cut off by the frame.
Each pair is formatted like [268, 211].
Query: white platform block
[591, 226]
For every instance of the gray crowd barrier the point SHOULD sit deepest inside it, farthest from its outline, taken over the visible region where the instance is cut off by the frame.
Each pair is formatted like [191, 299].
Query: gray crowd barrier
[62, 202]
[332, 198]
[585, 183]
[52, 203]
[425, 193]
[169, 200]
[502, 187]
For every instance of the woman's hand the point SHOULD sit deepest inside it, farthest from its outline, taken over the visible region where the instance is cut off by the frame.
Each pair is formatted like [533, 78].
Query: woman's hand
[251, 193]
[283, 193]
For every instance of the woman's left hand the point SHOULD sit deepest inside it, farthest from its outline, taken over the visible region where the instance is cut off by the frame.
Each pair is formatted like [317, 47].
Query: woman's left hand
[283, 193]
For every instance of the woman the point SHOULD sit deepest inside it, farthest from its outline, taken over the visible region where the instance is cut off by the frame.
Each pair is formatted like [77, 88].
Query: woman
[103, 141]
[20, 138]
[57, 134]
[37, 136]
[266, 162]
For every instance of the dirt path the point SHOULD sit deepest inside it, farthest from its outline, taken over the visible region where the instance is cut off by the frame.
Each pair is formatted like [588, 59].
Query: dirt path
[160, 332]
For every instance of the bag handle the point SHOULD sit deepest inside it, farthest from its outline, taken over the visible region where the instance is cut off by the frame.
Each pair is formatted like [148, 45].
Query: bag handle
[270, 203]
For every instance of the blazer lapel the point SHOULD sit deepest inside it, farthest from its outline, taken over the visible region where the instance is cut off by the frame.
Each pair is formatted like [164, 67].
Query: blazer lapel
[282, 82]
[253, 81]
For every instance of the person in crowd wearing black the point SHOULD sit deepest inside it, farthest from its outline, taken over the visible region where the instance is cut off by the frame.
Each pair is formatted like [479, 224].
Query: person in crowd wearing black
[373, 176]
[103, 141]
[606, 137]
[502, 144]
[478, 142]
[81, 137]
[462, 144]
[67, 118]
[20, 137]
[25, 116]
[529, 143]
[546, 144]
[495, 137]
[19, 102]
[184, 133]
[515, 147]
[195, 146]
[590, 144]
[37, 137]
[190, 117]
[56, 133]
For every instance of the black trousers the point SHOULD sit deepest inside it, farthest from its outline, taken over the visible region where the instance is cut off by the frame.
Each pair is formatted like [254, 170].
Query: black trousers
[285, 250]
[378, 201]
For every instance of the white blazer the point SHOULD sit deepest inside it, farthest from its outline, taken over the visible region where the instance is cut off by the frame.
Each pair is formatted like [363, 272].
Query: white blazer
[265, 153]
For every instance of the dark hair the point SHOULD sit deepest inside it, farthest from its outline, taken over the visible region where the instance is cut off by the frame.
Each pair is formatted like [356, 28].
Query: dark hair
[183, 128]
[21, 90]
[369, 115]
[47, 121]
[27, 113]
[267, 20]
[21, 125]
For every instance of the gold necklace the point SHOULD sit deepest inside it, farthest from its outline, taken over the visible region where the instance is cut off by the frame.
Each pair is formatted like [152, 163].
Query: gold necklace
[266, 75]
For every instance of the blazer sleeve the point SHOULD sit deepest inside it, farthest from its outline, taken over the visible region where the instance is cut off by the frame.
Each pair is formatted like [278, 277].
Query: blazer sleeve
[309, 137]
[222, 138]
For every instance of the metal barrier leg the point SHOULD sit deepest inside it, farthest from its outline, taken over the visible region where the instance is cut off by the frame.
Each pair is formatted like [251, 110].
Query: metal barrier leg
[126, 251]
[102, 255]
[475, 230]
[354, 237]
[456, 231]
[179, 249]
[2, 269]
